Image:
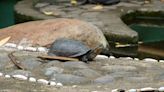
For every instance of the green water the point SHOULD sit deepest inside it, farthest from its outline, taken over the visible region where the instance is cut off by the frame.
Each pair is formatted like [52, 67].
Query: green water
[7, 12]
[149, 33]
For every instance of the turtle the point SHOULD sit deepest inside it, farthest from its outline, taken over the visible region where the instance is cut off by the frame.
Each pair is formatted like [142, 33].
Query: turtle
[73, 48]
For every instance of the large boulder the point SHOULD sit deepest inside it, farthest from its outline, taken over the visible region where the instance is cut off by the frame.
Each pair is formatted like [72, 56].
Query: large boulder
[45, 32]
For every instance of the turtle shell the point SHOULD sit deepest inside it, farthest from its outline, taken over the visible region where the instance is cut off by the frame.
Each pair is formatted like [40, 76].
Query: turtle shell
[68, 48]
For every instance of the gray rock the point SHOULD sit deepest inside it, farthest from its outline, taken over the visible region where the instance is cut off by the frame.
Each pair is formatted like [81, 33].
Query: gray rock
[30, 63]
[117, 68]
[52, 70]
[122, 74]
[104, 79]
[4, 60]
[21, 72]
[137, 79]
[75, 64]
[69, 79]
[89, 73]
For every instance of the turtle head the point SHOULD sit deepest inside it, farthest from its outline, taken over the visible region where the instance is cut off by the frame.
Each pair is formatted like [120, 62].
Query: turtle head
[91, 54]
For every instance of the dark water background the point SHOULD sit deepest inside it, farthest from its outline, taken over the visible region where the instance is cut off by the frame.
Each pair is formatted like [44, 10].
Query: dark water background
[149, 33]
[7, 13]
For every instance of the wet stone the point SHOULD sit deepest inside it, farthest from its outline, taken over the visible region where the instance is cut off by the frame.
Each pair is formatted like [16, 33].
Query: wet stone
[75, 64]
[89, 73]
[52, 70]
[69, 79]
[115, 68]
[21, 72]
[30, 63]
[107, 79]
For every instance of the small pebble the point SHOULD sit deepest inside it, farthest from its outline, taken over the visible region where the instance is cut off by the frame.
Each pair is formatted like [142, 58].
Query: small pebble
[59, 84]
[74, 86]
[132, 90]
[150, 60]
[98, 86]
[130, 11]
[112, 57]
[147, 89]
[161, 89]
[1, 74]
[20, 47]
[122, 10]
[52, 83]
[128, 58]
[101, 57]
[42, 49]
[32, 79]
[43, 81]
[162, 61]
[137, 59]
[30, 49]
[7, 76]
[20, 77]
[118, 90]
[11, 45]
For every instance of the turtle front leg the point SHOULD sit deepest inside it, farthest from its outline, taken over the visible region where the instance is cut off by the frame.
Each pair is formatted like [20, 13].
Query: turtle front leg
[84, 59]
